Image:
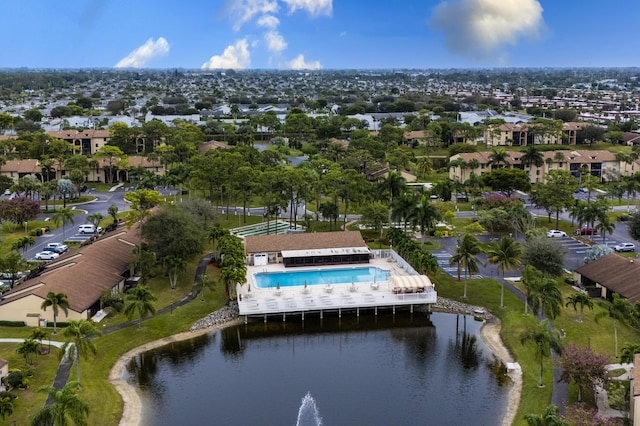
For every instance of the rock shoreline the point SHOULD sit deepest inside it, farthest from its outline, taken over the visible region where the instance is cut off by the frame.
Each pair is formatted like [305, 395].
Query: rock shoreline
[222, 316]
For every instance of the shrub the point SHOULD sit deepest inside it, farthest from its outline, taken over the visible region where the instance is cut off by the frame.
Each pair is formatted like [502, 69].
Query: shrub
[12, 323]
[15, 379]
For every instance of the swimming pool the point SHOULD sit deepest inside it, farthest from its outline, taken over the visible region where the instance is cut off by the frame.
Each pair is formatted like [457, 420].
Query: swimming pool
[321, 277]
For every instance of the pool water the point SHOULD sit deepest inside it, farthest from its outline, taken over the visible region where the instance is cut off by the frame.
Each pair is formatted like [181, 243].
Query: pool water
[321, 277]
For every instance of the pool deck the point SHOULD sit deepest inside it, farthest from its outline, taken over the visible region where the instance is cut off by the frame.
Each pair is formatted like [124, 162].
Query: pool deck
[298, 300]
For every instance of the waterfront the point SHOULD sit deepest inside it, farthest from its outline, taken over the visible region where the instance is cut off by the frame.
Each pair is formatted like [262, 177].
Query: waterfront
[367, 370]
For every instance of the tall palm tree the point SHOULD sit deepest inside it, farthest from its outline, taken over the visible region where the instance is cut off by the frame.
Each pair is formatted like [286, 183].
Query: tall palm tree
[64, 216]
[530, 278]
[532, 157]
[546, 339]
[67, 407]
[139, 300]
[80, 333]
[581, 299]
[393, 186]
[425, 215]
[466, 256]
[506, 254]
[546, 297]
[402, 209]
[619, 310]
[498, 156]
[57, 301]
[605, 226]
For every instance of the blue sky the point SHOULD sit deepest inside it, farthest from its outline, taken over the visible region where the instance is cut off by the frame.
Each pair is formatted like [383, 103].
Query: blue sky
[319, 34]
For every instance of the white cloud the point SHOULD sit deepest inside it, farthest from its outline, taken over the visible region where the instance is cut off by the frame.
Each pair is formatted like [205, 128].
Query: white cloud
[313, 7]
[143, 54]
[275, 41]
[242, 11]
[235, 56]
[299, 64]
[268, 21]
[478, 28]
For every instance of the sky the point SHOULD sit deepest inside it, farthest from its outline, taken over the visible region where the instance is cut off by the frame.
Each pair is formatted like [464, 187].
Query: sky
[319, 34]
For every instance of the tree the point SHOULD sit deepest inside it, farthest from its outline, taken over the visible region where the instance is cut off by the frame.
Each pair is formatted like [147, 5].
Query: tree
[596, 252]
[498, 156]
[204, 281]
[583, 367]
[80, 334]
[64, 215]
[57, 301]
[174, 264]
[139, 300]
[374, 215]
[67, 407]
[6, 406]
[581, 299]
[546, 339]
[12, 264]
[112, 154]
[113, 212]
[545, 255]
[545, 297]
[550, 417]
[619, 309]
[557, 193]
[506, 254]
[605, 226]
[19, 210]
[532, 157]
[507, 180]
[629, 351]
[465, 256]
[425, 215]
[66, 188]
[95, 219]
[27, 349]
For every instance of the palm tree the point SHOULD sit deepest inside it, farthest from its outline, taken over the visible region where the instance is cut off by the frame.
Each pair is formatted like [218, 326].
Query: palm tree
[6, 406]
[546, 297]
[403, 208]
[506, 254]
[80, 333]
[546, 339]
[618, 310]
[206, 282]
[393, 186]
[466, 256]
[425, 216]
[530, 278]
[67, 407]
[629, 351]
[550, 417]
[532, 157]
[57, 301]
[27, 349]
[581, 299]
[498, 156]
[64, 216]
[139, 300]
[605, 226]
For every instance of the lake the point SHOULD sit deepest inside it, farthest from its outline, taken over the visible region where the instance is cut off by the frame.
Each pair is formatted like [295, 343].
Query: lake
[405, 369]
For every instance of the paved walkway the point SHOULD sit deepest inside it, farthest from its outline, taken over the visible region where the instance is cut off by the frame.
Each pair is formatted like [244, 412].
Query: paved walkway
[602, 401]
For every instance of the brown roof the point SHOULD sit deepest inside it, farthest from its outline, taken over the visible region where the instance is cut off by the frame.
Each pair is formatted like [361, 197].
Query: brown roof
[22, 166]
[140, 161]
[635, 375]
[83, 274]
[309, 241]
[617, 273]
[206, 146]
[513, 157]
[76, 134]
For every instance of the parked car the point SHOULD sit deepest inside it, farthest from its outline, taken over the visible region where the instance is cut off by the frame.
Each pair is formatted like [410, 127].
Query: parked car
[554, 233]
[586, 231]
[46, 255]
[53, 250]
[60, 246]
[111, 227]
[625, 247]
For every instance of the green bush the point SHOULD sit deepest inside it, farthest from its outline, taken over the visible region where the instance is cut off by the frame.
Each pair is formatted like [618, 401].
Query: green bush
[12, 323]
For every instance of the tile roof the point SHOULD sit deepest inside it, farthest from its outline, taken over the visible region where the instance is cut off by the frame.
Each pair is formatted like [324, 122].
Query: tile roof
[307, 241]
[76, 134]
[617, 273]
[83, 274]
[22, 166]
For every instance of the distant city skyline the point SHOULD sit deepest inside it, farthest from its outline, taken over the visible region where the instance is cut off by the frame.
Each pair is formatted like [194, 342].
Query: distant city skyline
[319, 34]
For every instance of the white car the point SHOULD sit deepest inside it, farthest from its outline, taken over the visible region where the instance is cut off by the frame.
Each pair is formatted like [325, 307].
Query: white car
[625, 247]
[58, 247]
[554, 233]
[46, 255]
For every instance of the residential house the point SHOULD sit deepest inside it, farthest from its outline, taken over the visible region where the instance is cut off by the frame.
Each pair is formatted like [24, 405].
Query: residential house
[86, 142]
[601, 164]
[83, 275]
[611, 274]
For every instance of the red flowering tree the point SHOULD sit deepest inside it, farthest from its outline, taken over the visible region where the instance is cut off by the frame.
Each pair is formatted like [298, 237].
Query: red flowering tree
[19, 209]
[583, 367]
[580, 414]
